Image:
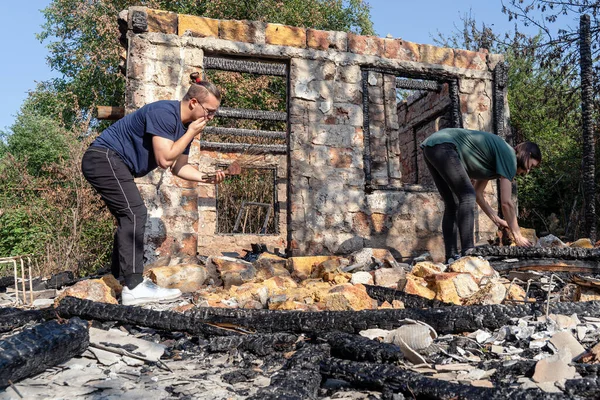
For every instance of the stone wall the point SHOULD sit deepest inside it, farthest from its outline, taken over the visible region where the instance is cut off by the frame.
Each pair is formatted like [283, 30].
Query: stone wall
[325, 207]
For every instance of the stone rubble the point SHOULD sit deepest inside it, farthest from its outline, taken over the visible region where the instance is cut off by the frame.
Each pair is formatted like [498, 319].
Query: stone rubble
[555, 344]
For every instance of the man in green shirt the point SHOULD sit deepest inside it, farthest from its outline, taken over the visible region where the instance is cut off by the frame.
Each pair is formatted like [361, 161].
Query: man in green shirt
[456, 156]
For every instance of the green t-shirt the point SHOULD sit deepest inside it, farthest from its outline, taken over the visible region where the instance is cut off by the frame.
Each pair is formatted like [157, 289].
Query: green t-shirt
[484, 155]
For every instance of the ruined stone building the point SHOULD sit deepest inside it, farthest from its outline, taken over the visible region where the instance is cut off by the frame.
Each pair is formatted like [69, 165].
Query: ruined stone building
[350, 173]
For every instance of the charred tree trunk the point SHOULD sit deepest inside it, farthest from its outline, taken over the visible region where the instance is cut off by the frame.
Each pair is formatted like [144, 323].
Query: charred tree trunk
[259, 344]
[354, 347]
[12, 318]
[43, 346]
[165, 320]
[588, 174]
[222, 322]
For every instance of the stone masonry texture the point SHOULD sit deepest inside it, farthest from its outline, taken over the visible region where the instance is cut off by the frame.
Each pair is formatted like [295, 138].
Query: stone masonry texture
[325, 204]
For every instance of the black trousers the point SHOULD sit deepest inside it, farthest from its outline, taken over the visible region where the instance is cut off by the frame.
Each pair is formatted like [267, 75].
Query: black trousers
[454, 185]
[112, 179]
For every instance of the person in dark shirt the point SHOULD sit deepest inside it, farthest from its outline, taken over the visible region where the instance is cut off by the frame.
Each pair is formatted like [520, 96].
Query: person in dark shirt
[455, 156]
[157, 135]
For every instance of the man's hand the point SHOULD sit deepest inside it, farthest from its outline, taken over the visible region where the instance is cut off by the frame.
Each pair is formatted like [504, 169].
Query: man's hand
[197, 126]
[218, 177]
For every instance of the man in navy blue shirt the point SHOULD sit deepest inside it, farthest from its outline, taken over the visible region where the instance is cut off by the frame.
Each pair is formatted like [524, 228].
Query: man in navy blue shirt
[157, 135]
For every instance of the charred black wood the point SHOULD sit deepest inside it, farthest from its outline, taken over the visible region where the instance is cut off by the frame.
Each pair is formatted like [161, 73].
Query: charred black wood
[299, 378]
[566, 253]
[59, 280]
[354, 347]
[548, 264]
[382, 294]
[241, 113]
[588, 162]
[453, 319]
[586, 387]
[5, 282]
[252, 67]
[43, 346]
[12, 318]
[224, 322]
[241, 375]
[386, 377]
[242, 147]
[164, 320]
[259, 344]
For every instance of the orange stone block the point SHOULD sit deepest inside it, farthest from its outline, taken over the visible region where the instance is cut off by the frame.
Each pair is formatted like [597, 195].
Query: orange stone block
[367, 45]
[469, 59]
[401, 50]
[285, 35]
[238, 31]
[198, 26]
[436, 55]
[316, 39]
[418, 286]
[162, 21]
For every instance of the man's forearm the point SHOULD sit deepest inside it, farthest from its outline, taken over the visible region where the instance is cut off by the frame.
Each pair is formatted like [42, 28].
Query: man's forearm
[179, 146]
[189, 173]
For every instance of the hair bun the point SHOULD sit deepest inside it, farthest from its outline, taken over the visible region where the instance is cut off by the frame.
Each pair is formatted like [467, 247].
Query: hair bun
[195, 77]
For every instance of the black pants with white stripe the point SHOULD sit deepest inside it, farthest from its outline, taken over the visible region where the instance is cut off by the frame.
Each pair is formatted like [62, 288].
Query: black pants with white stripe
[109, 175]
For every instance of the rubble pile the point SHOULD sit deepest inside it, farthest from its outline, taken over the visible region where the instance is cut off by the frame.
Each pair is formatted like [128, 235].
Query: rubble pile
[503, 322]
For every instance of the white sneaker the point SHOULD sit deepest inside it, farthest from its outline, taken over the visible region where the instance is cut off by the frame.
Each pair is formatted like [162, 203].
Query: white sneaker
[147, 292]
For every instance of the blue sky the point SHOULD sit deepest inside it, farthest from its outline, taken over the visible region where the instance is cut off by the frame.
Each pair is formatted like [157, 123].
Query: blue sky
[25, 57]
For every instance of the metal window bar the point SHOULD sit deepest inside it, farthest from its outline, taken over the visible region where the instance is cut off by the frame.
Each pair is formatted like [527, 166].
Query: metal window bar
[216, 130]
[253, 67]
[245, 206]
[242, 147]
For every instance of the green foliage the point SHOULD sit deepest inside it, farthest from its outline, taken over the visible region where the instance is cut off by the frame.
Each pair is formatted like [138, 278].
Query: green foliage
[36, 138]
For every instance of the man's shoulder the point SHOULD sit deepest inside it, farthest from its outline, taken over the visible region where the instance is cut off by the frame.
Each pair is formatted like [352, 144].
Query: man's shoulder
[170, 106]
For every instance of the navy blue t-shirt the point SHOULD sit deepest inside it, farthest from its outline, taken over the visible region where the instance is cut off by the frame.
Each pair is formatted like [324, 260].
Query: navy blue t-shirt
[131, 136]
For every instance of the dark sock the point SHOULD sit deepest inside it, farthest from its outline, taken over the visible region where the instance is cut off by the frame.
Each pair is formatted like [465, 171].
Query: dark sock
[131, 281]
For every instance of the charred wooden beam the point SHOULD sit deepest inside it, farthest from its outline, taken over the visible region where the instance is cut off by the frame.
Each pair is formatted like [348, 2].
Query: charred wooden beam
[223, 322]
[242, 113]
[215, 130]
[242, 147]
[259, 344]
[548, 264]
[452, 319]
[565, 253]
[252, 67]
[354, 347]
[412, 84]
[43, 346]
[588, 162]
[110, 113]
[12, 318]
[299, 378]
[389, 378]
[164, 320]
[382, 294]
